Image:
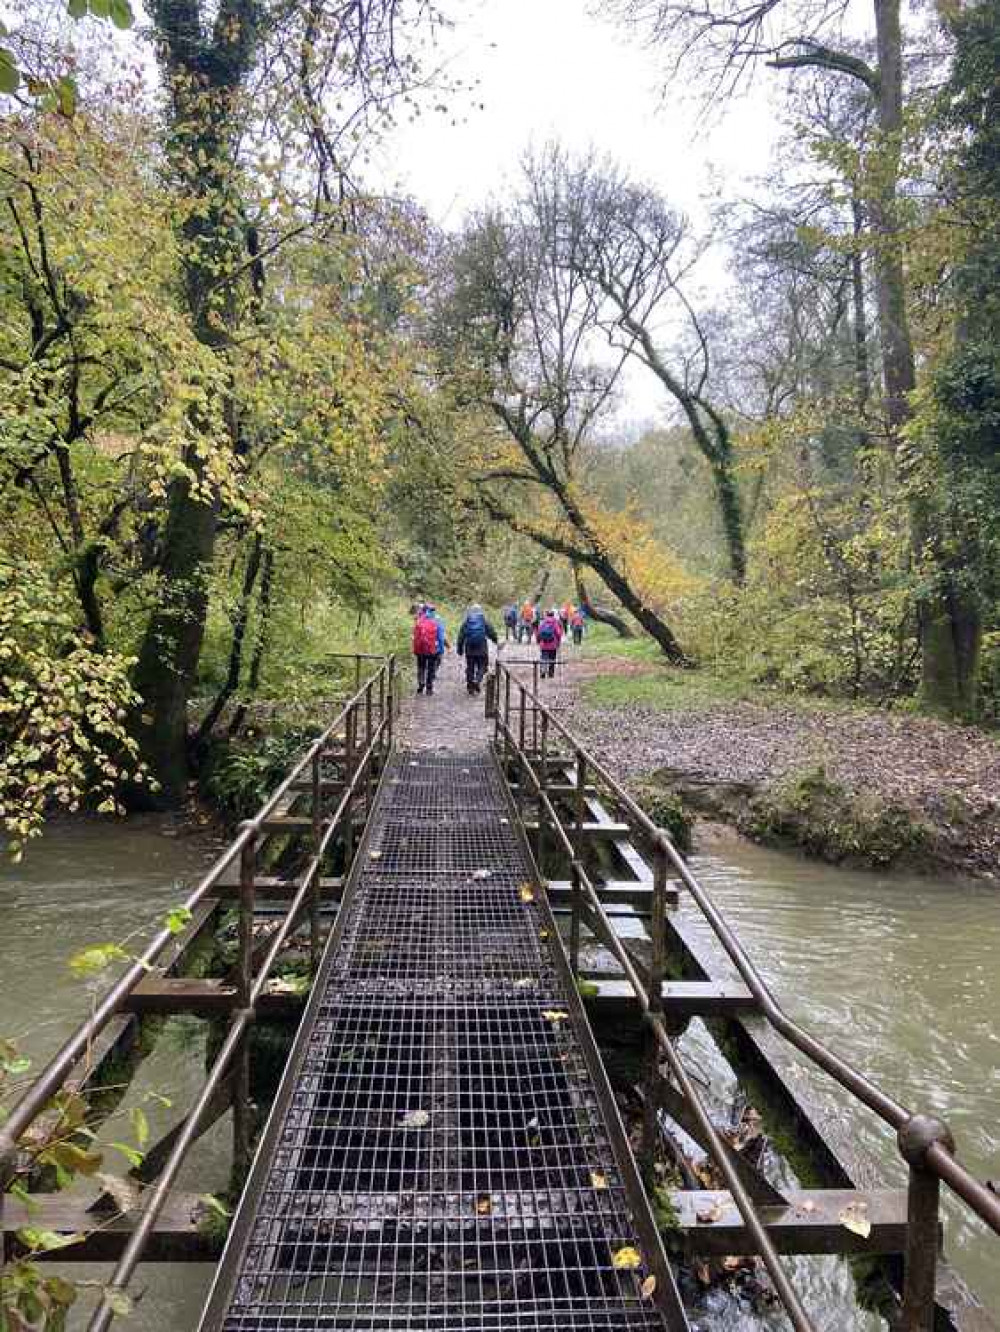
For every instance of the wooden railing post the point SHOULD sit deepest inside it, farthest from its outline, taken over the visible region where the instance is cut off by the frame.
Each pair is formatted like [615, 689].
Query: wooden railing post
[575, 921]
[317, 837]
[923, 1199]
[350, 742]
[534, 708]
[381, 717]
[391, 703]
[242, 1117]
[543, 812]
[657, 969]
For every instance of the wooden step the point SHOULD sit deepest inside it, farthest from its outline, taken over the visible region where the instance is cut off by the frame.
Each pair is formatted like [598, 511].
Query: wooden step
[271, 889]
[813, 1221]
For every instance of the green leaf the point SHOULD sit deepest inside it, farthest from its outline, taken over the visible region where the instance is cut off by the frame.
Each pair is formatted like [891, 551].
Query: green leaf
[65, 91]
[15, 1067]
[118, 1301]
[121, 13]
[90, 961]
[10, 78]
[45, 1241]
[178, 919]
[76, 8]
[140, 1125]
[100, 8]
[72, 1158]
[133, 1157]
[214, 1205]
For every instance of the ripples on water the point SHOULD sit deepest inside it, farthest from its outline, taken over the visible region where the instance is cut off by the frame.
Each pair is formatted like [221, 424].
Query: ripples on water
[899, 974]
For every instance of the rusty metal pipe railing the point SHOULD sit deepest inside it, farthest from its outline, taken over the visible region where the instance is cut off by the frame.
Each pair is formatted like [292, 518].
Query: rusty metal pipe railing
[62, 1063]
[244, 845]
[924, 1141]
[769, 1256]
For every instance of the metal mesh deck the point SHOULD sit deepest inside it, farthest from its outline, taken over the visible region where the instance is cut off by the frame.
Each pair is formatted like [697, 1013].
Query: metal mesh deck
[438, 1157]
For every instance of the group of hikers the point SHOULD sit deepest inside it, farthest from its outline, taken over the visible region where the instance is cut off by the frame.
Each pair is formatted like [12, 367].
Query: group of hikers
[524, 624]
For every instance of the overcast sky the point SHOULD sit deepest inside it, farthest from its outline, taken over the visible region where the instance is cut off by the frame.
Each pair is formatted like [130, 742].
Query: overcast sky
[550, 69]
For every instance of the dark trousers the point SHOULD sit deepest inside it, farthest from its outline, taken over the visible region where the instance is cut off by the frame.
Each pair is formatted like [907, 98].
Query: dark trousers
[426, 671]
[549, 662]
[476, 666]
[509, 632]
[578, 634]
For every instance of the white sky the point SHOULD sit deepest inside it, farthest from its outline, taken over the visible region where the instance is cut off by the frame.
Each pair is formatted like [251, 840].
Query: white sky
[551, 69]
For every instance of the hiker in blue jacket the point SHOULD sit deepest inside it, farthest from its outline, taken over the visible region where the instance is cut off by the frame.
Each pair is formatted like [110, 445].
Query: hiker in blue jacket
[474, 639]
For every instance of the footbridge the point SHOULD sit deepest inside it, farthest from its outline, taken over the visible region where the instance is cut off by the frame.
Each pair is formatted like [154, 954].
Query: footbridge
[445, 1151]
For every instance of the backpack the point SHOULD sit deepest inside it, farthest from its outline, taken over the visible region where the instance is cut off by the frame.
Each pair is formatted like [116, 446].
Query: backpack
[547, 633]
[425, 637]
[475, 630]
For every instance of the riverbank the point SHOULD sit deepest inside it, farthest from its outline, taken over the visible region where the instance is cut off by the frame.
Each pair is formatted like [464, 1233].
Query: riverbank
[846, 784]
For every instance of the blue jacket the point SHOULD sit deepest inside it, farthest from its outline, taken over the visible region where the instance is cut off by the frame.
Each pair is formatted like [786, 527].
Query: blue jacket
[442, 638]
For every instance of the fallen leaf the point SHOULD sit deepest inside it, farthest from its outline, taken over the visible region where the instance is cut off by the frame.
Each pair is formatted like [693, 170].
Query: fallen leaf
[555, 1014]
[854, 1218]
[543, 934]
[374, 855]
[415, 1119]
[598, 1179]
[481, 874]
[526, 894]
[524, 983]
[709, 1215]
[647, 1287]
[627, 1259]
[484, 1204]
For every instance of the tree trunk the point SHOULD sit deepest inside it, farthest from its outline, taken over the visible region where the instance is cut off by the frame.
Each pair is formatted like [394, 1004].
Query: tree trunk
[657, 629]
[949, 632]
[263, 631]
[731, 512]
[168, 657]
[598, 613]
[232, 680]
[862, 372]
[951, 638]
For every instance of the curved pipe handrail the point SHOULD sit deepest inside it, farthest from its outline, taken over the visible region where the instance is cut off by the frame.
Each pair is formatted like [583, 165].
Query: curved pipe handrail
[52, 1077]
[935, 1157]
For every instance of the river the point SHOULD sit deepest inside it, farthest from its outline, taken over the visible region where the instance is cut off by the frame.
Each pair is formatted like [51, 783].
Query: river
[899, 974]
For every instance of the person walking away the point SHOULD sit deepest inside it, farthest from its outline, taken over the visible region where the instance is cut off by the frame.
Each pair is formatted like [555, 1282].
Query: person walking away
[510, 629]
[526, 628]
[565, 615]
[549, 637]
[442, 638]
[474, 639]
[425, 649]
[576, 624]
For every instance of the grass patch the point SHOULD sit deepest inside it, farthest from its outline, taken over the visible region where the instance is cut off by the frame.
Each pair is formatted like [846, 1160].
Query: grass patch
[666, 689]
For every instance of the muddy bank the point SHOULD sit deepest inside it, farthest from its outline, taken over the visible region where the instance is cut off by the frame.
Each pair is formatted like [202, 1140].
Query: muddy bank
[852, 787]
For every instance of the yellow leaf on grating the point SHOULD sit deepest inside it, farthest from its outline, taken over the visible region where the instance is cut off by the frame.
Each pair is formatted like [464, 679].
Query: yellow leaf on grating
[854, 1218]
[526, 893]
[598, 1179]
[647, 1288]
[484, 1204]
[555, 1014]
[627, 1259]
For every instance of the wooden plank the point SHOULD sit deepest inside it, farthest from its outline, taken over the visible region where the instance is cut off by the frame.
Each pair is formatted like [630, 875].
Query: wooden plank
[282, 825]
[271, 889]
[681, 999]
[812, 1221]
[175, 1237]
[605, 831]
[617, 892]
[206, 998]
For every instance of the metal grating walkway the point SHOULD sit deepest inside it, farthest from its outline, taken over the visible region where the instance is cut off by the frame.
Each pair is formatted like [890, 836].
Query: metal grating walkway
[443, 1152]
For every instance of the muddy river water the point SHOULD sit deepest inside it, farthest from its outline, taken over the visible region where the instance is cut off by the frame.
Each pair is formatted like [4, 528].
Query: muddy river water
[900, 974]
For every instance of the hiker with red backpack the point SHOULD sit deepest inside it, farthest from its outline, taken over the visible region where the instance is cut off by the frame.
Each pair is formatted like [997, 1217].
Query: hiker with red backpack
[474, 640]
[429, 642]
[577, 625]
[549, 636]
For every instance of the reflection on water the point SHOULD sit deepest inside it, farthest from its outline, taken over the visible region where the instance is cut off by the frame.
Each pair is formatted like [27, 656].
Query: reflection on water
[902, 976]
